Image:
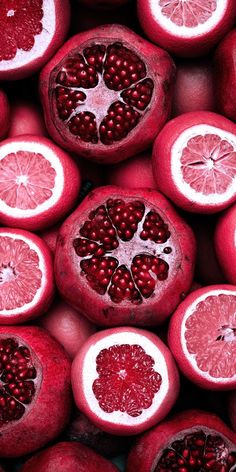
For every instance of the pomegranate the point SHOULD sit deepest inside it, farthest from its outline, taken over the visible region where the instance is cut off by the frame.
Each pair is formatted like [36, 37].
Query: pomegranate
[124, 257]
[225, 243]
[107, 93]
[225, 75]
[4, 114]
[135, 172]
[68, 457]
[34, 389]
[231, 403]
[190, 441]
[125, 380]
[26, 118]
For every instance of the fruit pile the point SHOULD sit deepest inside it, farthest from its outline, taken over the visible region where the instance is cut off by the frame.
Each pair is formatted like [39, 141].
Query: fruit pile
[117, 236]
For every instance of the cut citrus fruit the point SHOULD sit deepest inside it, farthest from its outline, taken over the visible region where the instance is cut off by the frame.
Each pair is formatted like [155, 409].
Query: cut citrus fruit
[26, 276]
[202, 337]
[186, 27]
[225, 243]
[125, 380]
[39, 183]
[194, 161]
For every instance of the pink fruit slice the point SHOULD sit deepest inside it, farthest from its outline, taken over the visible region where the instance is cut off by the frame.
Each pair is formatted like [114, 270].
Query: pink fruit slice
[189, 13]
[202, 337]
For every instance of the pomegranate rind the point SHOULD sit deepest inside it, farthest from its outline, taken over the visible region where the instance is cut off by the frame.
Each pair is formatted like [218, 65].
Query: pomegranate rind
[84, 373]
[225, 75]
[50, 408]
[177, 340]
[58, 12]
[4, 114]
[45, 294]
[160, 66]
[64, 193]
[100, 309]
[225, 243]
[185, 41]
[147, 450]
[166, 156]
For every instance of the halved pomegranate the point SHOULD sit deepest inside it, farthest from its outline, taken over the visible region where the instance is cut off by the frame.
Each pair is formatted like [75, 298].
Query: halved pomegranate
[34, 389]
[107, 93]
[225, 243]
[124, 257]
[190, 441]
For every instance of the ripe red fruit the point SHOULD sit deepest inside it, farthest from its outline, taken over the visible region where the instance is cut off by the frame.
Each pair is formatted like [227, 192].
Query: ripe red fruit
[225, 243]
[4, 114]
[135, 172]
[35, 389]
[107, 93]
[225, 76]
[124, 257]
[26, 118]
[191, 440]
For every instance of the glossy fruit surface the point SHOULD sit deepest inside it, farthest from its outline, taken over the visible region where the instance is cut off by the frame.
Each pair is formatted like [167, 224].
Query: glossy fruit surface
[225, 75]
[225, 243]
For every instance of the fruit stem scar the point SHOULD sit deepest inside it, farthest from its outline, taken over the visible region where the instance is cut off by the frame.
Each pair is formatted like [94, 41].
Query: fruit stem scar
[228, 334]
[11, 12]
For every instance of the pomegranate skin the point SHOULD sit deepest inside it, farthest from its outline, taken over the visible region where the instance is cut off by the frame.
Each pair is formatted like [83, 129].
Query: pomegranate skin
[194, 46]
[4, 114]
[225, 75]
[149, 447]
[103, 311]
[68, 457]
[26, 118]
[225, 244]
[135, 172]
[160, 68]
[49, 411]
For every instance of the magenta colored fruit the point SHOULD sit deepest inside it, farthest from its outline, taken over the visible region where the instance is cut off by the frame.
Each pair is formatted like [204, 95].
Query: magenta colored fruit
[135, 172]
[231, 404]
[26, 118]
[50, 237]
[4, 114]
[225, 76]
[124, 257]
[34, 391]
[225, 243]
[190, 441]
[107, 93]
[31, 33]
[103, 4]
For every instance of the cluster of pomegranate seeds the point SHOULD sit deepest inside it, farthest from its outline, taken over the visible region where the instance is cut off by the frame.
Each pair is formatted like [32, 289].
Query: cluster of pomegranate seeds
[17, 374]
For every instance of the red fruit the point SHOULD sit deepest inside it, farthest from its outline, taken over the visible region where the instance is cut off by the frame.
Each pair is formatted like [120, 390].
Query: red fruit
[194, 161]
[133, 173]
[4, 114]
[124, 257]
[189, 441]
[188, 28]
[225, 243]
[225, 75]
[50, 237]
[124, 380]
[106, 93]
[31, 33]
[202, 337]
[26, 276]
[26, 118]
[232, 408]
[70, 328]
[68, 457]
[35, 389]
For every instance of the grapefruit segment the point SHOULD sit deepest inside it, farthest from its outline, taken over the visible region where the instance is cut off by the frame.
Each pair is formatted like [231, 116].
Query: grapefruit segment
[188, 13]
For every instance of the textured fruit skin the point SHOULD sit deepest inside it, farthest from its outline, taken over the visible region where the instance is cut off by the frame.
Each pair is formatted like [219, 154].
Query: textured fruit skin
[225, 75]
[68, 457]
[70, 187]
[231, 407]
[135, 172]
[160, 67]
[161, 158]
[4, 114]
[180, 46]
[62, 23]
[175, 345]
[50, 409]
[77, 292]
[225, 245]
[149, 447]
[47, 294]
[109, 426]
[26, 118]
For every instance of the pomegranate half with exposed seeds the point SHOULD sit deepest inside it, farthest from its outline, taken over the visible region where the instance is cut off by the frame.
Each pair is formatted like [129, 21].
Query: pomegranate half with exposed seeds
[124, 257]
[190, 441]
[34, 389]
[107, 93]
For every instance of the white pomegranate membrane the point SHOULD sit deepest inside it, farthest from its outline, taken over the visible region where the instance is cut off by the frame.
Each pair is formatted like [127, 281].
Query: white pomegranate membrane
[30, 181]
[22, 274]
[203, 164]
[208, 335]
[188, 18]
[27, 31]
[125, 383]
[100, 92]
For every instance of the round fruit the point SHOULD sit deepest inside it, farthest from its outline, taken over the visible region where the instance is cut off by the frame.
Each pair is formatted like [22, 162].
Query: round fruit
[26, 276]
[194, 161]
[50, 237]
[26, 118]
[124, 257]
[107, 93]
[190, 441]
[67, 457]
[39, 183]
[34, 389]
[186, 28]
[225, 243]
[4, 114]
[202, 334]
[31, 33]
[133, 173]
[225, 76]
[124, 380]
